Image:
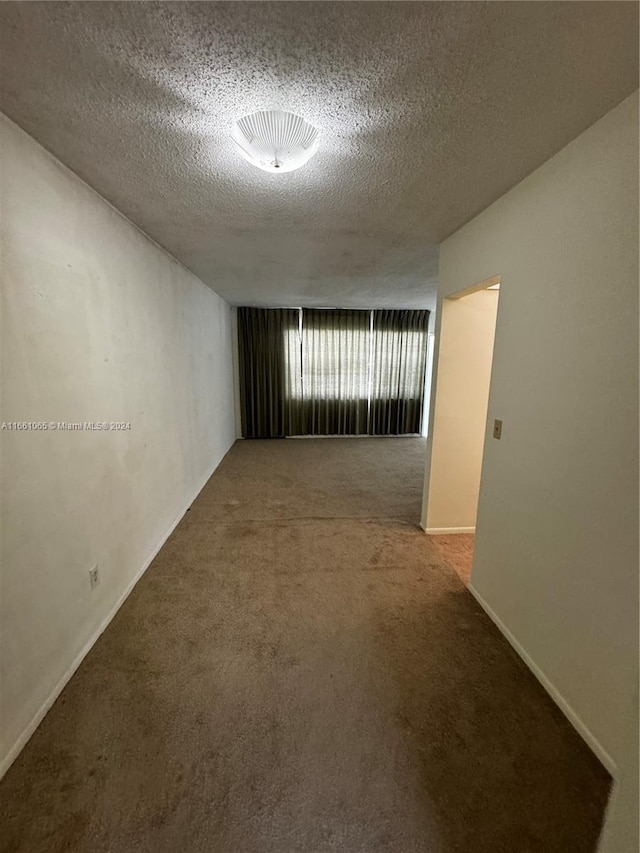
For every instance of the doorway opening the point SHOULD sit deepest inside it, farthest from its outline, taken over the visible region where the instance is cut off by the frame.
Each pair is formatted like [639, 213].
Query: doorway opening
[459, 429]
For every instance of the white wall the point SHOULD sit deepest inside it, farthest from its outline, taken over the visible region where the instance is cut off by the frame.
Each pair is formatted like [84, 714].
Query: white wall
[467, 329]
[557, 540]
[428, 373]
[236, 372]
[98, 324]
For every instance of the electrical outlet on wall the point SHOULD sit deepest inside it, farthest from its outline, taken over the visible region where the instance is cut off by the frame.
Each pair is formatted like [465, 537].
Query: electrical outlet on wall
[94, 577]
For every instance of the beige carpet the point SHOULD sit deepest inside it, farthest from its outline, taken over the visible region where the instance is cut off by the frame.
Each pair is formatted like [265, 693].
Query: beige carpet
[299, 672]
[456, 549]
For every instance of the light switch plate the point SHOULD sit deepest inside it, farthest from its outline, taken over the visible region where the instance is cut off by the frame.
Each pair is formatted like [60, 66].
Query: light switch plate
[497, 429]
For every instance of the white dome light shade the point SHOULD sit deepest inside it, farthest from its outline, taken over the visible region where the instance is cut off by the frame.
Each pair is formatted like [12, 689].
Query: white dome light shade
[275, 140]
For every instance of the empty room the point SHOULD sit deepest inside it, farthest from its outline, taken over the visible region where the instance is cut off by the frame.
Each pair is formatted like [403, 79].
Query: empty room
[319, 427]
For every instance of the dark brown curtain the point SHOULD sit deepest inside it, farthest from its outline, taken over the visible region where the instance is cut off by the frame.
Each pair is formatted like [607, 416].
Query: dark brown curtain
[335, 372]
[399, 355]
[264, 338]
[331, 372]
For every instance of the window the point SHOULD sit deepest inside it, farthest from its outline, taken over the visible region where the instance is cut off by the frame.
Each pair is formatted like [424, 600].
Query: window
[331, 372]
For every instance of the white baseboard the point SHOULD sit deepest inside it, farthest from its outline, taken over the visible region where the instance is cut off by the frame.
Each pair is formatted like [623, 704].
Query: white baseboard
[22, 740]
[437, 531]
[357, 435]
[557, 697]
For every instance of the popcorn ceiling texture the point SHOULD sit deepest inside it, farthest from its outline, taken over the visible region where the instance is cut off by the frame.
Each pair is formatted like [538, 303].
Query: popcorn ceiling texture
[428, 112]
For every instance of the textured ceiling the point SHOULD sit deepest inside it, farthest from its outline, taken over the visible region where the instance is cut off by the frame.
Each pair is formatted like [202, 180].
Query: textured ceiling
[428, 112]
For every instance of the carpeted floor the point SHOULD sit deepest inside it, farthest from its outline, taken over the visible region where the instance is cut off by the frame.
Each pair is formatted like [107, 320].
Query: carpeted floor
[299, 672]
[456, 550]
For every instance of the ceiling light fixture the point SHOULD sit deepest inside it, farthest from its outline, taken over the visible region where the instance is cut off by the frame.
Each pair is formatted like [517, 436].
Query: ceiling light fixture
[275, 140]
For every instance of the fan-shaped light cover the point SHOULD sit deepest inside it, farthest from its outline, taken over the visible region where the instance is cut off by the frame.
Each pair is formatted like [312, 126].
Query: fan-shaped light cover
[275, 140]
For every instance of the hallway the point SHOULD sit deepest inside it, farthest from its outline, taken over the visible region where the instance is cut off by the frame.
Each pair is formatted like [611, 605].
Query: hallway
[299, 672]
